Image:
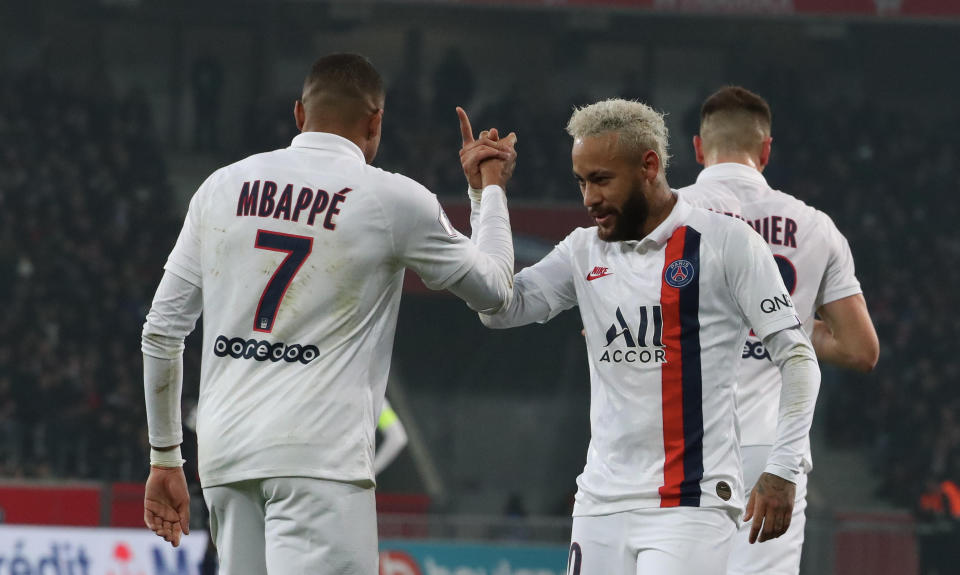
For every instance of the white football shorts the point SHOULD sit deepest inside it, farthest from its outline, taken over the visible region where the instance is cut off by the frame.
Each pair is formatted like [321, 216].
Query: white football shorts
[293, 526]
[674, 541]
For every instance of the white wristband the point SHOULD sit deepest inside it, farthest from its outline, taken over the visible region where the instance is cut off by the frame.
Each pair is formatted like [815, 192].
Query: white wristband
[169, 458]
[475, 194]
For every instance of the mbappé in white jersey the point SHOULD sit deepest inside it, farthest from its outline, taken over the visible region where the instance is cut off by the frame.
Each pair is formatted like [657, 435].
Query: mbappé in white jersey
[813, 257]
[665, 319]
[300, 254]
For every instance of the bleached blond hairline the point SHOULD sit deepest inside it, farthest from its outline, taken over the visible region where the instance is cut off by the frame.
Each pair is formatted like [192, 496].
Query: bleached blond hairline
[640, 127]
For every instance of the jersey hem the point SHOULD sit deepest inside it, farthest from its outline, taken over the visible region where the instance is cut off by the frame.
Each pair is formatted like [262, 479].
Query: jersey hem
[707, 502]
[271, 473]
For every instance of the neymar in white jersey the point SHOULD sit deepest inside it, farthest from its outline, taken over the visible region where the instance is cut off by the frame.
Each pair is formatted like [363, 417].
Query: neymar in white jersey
[667, 293]
[814, 259]
[296, 258]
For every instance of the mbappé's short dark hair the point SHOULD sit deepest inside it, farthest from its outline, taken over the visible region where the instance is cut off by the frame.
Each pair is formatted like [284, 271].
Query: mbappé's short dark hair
[737, 99]
[344, 76]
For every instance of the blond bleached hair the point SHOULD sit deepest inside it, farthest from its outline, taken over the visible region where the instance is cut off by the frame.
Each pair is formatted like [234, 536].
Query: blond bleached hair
[640, 127]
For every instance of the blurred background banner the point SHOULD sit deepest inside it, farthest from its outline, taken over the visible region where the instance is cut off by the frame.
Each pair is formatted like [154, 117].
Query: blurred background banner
[399, 557]
[28, 550]
[86, 551]
[806, 7]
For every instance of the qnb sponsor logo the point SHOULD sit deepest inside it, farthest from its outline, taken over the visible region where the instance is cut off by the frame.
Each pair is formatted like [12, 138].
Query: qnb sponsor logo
[635, 341]
[770, 305]
[755, 349]
[261, 350]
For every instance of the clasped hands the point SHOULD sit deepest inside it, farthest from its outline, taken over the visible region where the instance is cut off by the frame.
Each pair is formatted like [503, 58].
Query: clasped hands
[487, 160]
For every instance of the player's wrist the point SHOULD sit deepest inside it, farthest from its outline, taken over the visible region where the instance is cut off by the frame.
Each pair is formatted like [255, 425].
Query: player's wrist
[782, 472]
[166, 458]
[475, 194]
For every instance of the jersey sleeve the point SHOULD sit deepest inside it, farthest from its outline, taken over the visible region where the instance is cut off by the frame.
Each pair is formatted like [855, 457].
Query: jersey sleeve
[184, 260]
[839, 278]
[424, 239]
[176, 307]
[755, 281]
[540, 291]
[480, 273]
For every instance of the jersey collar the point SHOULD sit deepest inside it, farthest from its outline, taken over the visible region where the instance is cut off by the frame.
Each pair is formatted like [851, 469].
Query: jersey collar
[663, 232]
[327, 142]
[676, 218]
[728, 170]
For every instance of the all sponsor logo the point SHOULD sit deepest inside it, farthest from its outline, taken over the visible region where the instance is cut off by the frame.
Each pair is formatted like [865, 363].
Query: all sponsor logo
[649, 328]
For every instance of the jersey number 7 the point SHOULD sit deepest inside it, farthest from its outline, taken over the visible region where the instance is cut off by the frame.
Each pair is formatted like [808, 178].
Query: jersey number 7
[297, 248]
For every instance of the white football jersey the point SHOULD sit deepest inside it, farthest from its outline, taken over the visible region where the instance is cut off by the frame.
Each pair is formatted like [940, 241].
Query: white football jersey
[300, 255]
[813, 257]
[665, 320]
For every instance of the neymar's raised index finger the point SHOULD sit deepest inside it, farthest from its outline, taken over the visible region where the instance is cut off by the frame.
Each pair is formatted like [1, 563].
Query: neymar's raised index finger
[466, 131]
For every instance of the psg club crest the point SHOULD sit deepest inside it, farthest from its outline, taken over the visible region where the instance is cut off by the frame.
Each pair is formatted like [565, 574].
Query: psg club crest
[679, 273]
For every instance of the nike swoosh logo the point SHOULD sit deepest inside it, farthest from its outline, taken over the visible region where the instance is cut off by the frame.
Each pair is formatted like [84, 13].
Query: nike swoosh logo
[591, 276]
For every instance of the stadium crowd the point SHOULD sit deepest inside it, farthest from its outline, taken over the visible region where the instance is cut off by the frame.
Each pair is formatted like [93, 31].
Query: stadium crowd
[87, 218]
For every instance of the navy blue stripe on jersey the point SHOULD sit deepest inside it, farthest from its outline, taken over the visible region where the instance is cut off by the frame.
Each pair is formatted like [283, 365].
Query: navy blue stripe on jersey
[692, 377]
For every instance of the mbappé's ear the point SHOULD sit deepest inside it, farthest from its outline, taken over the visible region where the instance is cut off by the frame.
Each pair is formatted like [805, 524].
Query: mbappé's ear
[376, 123]
[299, 115]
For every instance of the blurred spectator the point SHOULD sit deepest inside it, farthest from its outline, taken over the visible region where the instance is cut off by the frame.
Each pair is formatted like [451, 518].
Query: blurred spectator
[938, 516]
[453, 81]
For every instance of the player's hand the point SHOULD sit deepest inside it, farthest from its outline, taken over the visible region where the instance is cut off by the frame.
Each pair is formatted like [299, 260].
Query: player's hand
[166, 503]
[475, 151]
[498, 171]
[770, 507]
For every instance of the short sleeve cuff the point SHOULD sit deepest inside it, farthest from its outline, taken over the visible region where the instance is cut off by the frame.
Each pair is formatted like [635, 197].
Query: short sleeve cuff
[775, 325]
[839, 294]
[184, 273]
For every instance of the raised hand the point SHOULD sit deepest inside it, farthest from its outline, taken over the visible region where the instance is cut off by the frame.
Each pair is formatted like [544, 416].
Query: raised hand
[166, 503]
[770, 507]
[498, 171]
[488, 146]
